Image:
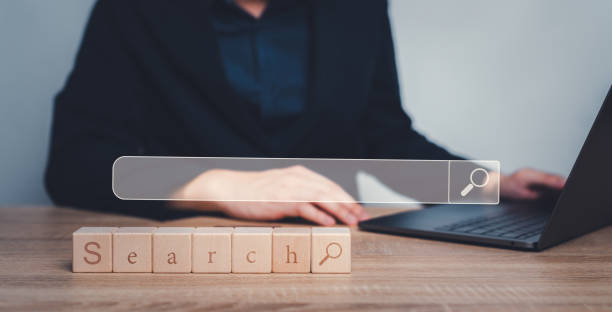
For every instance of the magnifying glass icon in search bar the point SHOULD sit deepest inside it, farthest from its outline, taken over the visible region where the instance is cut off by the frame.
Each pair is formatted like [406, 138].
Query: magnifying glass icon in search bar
[468, 188]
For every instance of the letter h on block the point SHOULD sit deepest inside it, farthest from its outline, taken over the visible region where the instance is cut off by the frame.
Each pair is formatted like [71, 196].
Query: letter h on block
[291, 250]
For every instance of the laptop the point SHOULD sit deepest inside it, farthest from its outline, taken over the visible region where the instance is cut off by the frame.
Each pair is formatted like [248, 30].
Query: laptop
[584, 205]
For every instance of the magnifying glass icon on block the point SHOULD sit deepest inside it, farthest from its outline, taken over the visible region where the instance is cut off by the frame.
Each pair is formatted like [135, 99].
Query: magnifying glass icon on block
[468, 188]
[334, 255]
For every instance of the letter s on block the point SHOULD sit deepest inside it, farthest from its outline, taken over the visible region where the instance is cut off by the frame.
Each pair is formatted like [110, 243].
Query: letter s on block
[99, 257]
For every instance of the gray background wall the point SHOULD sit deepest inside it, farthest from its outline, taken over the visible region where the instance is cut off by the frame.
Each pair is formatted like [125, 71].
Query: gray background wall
[518, 81]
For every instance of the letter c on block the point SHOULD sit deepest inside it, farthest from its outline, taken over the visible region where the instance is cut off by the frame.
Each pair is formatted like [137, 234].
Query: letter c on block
[248, 256]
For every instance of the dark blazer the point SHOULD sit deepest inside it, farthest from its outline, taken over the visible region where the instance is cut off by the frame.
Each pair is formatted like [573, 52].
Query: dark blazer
[148, 80]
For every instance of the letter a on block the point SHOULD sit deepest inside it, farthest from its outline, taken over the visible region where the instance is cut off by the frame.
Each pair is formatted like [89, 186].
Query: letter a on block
[92, 249]
[252, 250]
[172, 250]
[172, 258]
[291, 250]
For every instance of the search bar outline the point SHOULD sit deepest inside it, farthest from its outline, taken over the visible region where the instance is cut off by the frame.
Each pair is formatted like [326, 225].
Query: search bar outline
[147, 171]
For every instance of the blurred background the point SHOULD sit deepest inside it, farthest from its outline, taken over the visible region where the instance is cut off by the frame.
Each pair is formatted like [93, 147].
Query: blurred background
[518, 81]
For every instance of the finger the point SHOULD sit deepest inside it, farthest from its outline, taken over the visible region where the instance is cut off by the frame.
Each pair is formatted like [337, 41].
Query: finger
[330, 200]
[334, 191]
[338, 211]
[556, 181]
[311, 213]
[345, 201]
[342, 199]
[364, 216]
[527, 194]
[348, 202]
[546, 179]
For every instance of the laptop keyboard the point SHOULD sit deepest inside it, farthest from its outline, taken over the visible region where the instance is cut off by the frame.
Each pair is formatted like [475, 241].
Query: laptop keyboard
[508, 226]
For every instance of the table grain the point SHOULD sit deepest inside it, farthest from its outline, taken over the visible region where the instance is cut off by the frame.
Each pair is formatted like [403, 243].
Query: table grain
[389, 273]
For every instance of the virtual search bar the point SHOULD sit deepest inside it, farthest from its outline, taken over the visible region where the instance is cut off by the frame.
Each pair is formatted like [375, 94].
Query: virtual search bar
[415, 181]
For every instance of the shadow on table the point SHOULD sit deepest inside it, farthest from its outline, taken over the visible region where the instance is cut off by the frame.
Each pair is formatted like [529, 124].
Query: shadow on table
[163, 213]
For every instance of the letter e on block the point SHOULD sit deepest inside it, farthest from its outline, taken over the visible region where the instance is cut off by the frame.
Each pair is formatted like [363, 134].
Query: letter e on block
[132, 249]
[92, 249]
[331, 250]
[291, 250]
[252, 250]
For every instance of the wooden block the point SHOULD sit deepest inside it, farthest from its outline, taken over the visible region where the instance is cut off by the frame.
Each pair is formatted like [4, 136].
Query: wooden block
[252, 250]
[331, 250]
[291, 250]
[132, 249]
[92, 249]
[212, 250]
[172, 249]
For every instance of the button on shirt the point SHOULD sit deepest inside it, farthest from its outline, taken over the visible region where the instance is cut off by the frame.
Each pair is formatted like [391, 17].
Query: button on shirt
[266, 59]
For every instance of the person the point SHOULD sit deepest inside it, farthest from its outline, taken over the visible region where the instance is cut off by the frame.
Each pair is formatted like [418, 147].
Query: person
[237, 78]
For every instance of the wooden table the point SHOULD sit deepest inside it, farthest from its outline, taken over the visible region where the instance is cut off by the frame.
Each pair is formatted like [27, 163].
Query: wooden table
[389, 273]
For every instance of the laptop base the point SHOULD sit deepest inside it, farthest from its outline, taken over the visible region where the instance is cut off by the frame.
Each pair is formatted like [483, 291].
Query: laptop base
[430, 223]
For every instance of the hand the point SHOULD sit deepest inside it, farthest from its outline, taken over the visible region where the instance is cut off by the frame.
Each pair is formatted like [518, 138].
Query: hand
[288, 192]
[521, 184]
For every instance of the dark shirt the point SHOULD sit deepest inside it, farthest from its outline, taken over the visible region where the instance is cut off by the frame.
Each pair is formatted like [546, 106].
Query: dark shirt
[149, 80]
[266, 59]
